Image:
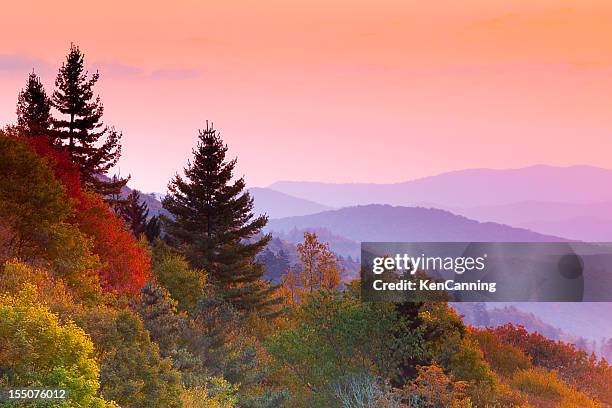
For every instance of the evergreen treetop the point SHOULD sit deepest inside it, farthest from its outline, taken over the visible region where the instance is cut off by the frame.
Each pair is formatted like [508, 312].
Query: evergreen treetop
[214, 226]
[93, 146]
[33, 108]
[135, 213]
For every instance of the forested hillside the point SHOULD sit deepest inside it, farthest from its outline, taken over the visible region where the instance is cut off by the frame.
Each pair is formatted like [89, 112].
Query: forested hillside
[123, 309]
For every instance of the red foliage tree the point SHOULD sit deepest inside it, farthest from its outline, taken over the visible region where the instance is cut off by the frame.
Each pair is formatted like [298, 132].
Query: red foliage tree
[126, 263]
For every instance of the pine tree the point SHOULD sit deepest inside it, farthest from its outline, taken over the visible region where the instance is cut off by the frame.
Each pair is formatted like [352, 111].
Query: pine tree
[33, 108]
[153, 229]
[93, 146]
[135, 213]
[214, 226]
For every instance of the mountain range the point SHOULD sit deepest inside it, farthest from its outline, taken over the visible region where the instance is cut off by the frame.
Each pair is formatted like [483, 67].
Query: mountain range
[538, 203]
[467, 188]
[378, 222]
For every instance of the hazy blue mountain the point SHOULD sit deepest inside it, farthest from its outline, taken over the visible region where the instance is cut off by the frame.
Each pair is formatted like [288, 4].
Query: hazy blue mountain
[388, 223]
[278, 205]
[587, 222]
[467, 188]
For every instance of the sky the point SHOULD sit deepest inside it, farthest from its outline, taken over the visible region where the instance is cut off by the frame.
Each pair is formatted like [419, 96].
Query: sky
[328, 90]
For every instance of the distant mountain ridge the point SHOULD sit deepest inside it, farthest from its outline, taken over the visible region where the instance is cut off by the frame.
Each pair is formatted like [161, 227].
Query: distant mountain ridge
[467, 188]
[278, 205]
[378, 222]
[587, 222]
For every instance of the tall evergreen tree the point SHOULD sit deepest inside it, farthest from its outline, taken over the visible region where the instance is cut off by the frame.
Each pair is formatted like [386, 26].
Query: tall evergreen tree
[135, 213]
[93, 146]
[33, 108]
[214, 226]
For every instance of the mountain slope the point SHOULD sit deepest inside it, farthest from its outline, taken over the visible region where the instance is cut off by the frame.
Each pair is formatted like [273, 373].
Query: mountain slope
[278, 205]
[467, 188]
[387, 223]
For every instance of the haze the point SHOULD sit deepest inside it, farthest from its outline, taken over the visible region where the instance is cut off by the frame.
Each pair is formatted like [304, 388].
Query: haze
[337, 91]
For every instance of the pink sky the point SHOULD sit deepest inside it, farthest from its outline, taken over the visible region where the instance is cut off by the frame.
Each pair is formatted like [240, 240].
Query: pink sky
[377, 91]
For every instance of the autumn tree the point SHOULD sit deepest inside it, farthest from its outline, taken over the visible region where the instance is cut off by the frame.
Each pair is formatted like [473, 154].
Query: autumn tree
[335, 336]
[127, 263]
[320, 266]
[291, 288]
[37, 349]
[132, 372]
[213, 224]
[33, 108]
[93, 146]
[185, 285]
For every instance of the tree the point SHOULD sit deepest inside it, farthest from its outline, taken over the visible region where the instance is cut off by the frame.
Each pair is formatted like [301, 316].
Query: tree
[336, 336]
[132, 373]
[214, 226]
[184, 284]
[153, 229]
[127, 263]
[434, 389]
[31, 200]
[37, 350]
[135, 213]
[276, 264]
[160, 317]
[94, 147]
[319, 269]
[33, 108]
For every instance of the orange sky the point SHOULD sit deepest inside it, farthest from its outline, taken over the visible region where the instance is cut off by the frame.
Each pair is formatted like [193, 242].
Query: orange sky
[378, 91]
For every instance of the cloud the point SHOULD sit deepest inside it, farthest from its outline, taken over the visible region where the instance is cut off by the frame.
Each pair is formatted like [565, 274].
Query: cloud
[175, 74]
[17, 65]
[112, 69]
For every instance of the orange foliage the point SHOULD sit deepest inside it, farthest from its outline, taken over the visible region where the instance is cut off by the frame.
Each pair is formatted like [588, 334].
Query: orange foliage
[577, 368]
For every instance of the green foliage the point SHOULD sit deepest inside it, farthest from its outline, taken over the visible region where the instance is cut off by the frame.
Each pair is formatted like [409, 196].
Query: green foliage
[132, 373]
[153, 229]
[336, 336]
[34, 212]
[365, 391]
[184, 284]
[160, 317]
[36, 350]
[31, 200]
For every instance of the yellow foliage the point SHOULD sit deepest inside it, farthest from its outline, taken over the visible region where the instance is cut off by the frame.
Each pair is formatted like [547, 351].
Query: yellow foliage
[544, 388]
